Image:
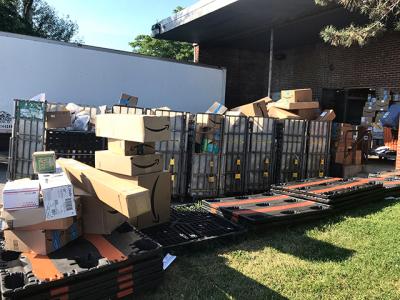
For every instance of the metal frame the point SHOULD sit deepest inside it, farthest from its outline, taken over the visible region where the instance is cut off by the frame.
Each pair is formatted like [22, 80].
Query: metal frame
[174, 151]
[260, 162]
[318, 148]
[28, 133]
[290, 162]
[121, 109]
[205, 167]
[233, 155]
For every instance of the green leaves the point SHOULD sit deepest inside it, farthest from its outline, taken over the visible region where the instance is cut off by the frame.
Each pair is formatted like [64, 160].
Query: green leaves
[381, 15]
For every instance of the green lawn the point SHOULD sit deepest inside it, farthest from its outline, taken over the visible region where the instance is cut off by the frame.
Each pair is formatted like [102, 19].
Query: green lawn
[349, 256]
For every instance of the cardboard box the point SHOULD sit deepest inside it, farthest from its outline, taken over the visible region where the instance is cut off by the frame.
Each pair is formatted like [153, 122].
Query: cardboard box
[308, 114]
[127, 148]
[58, 119]
[34, 219]
[135, 128]
[40, 242]
[300, 95]
[128, 100]
[217, 108]
[122, 194]
[327, 115]
[58, 196]
[21, 194]
[99, 218]
[211, 122]
[160, 186]
[254, 109]
[128, 165]
[346, 157]
[275, 112]
[44, 162]
[296, 105]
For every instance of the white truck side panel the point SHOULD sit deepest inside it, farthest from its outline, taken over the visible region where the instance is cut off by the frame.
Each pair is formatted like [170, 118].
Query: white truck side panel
[94, 76]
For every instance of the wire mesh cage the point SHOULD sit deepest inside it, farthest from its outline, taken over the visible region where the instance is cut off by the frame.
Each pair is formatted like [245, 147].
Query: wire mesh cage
[260, 154]
[318, 148]
[291, 136]
[233, 155]
[120, 109]
[175, 151]
[205, 162]
[27, 137]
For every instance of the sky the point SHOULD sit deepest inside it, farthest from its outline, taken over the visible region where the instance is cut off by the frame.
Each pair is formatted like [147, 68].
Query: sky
[114, 23]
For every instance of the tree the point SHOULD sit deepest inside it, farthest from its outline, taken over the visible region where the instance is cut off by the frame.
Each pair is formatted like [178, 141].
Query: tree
[147, 45]
[37, 18]
[382, 15]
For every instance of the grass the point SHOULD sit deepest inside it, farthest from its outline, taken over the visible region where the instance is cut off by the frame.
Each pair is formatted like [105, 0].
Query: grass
[349, 256]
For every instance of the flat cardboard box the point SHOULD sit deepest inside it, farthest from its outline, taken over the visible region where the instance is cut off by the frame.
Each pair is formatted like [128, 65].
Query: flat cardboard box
[254, 109]
[122, 194]
[21, 194]
[41, 242]
[44, 162]
[275, 112]
[99, 218]
[34, 219]
[296, 105]
[135, 128]
[160, 186]
[128, 100]
[300, 95]
[58, 119]
[127, 148]
[217, 108]
[327, 115]
[308, 114]
[128, 165]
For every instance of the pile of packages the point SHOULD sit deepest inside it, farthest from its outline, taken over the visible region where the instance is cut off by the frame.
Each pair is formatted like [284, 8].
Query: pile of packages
[344, 146]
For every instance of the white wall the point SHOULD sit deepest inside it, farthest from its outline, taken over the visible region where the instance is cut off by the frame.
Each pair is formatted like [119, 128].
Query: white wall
[93, 76]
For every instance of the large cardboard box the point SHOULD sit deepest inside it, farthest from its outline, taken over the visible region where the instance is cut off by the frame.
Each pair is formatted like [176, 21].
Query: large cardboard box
[44, 162]
[128, 100]
[128, 165]
[327, 115]
[300, 95]
[127, 148]
[160, 186]
[346, 157]
[122, 194]
[58, 196]
[99, 218]
[254, 109]
[40, 242]
[21, 194]
[275, 112]
[308, 114]
[35, 219]
[135, 128]
[296, 105]
[217, 108]
[58, 119]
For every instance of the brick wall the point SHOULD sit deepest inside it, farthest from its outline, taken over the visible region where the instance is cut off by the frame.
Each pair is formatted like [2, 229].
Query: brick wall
[317, 66]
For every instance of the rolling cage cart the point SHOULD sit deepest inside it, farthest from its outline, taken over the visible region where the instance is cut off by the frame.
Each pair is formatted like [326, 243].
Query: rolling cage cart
[318, 149]
[291, 142]
[175, 151]
[260, 154]
[233, 156]
[120, 109]
[27, 137]
[205, 162]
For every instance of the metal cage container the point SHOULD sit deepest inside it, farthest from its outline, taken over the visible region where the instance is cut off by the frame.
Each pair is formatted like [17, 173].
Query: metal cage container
[233, 155]
[318, 148]
[260, 154]
[27, 137]
[175, 151]
[205, 162]
[290, 163]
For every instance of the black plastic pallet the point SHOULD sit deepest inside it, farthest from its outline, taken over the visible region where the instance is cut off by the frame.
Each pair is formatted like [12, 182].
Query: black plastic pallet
[267, 208]
[83, 262]
[191, 224]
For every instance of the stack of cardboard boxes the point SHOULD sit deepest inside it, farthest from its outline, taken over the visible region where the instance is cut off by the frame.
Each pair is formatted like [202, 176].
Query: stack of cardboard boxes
[131, 156]
[40, 215]
[344, 147]
[374, 110]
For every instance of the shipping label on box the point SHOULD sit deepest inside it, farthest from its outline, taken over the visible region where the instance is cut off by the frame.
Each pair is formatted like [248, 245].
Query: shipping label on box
[58, 196]
[21, 194]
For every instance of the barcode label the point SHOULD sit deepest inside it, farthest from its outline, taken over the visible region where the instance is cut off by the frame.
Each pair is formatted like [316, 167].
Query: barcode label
[68, 204]
[59, 202]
